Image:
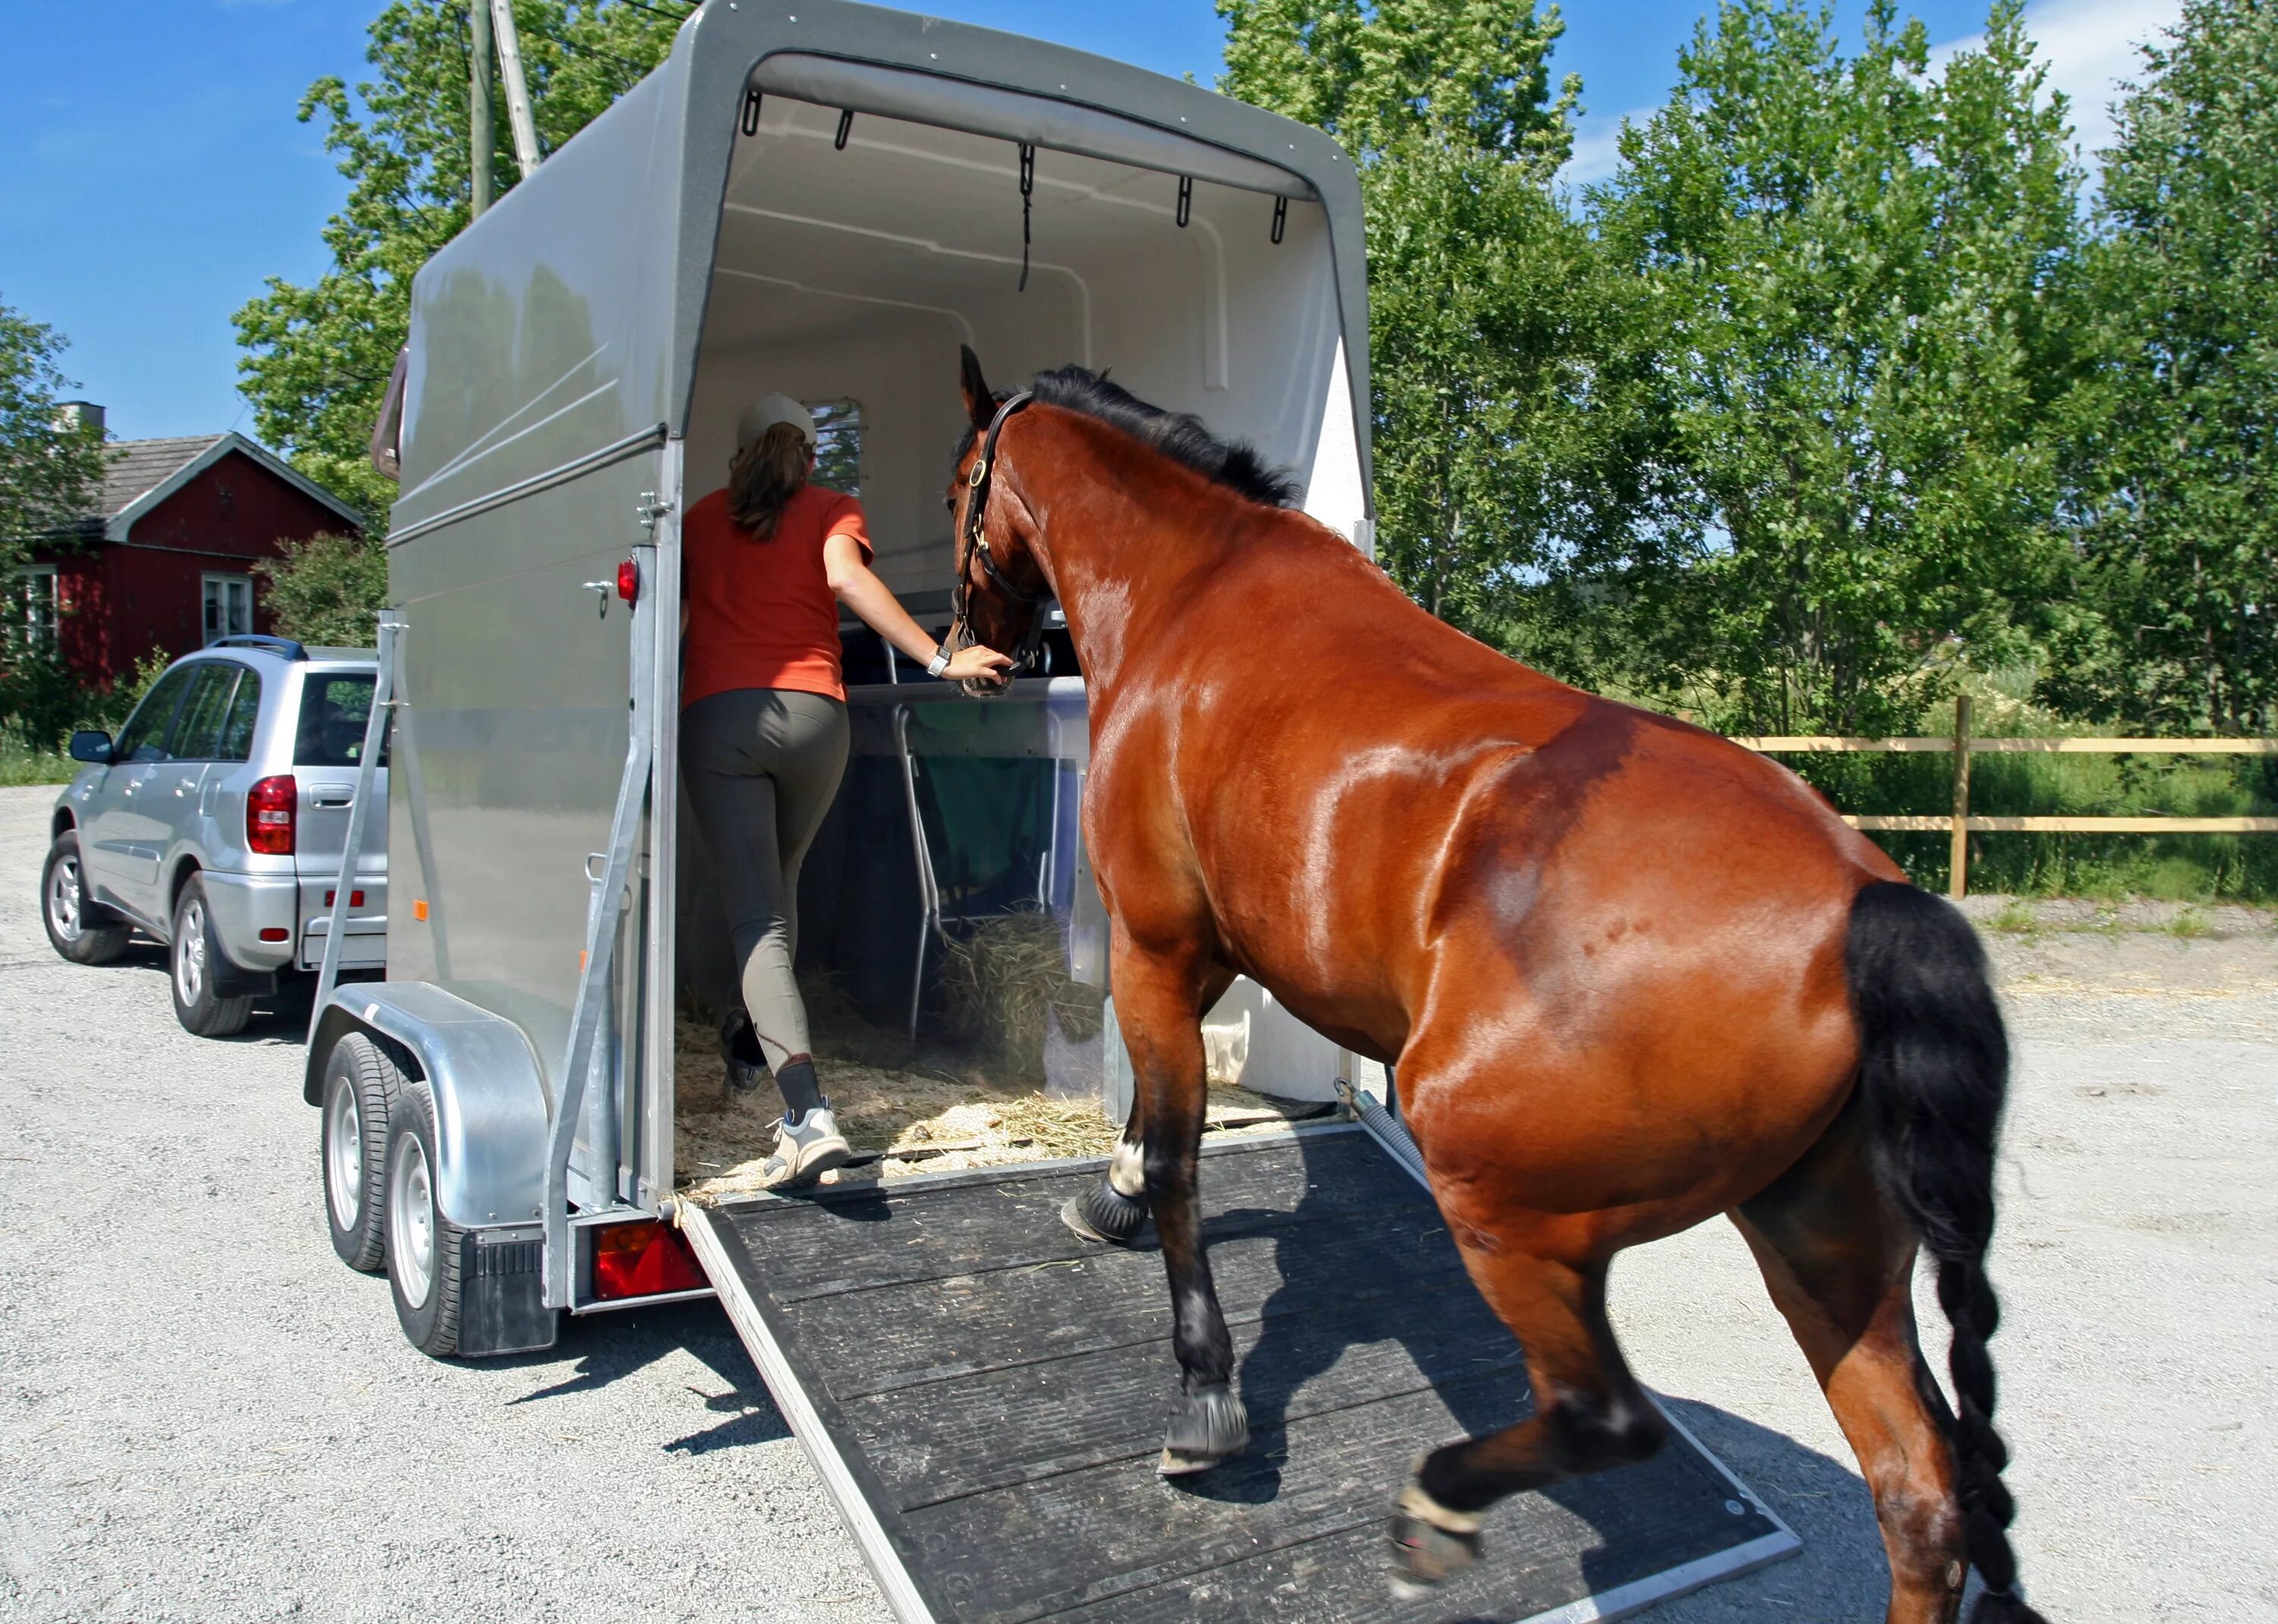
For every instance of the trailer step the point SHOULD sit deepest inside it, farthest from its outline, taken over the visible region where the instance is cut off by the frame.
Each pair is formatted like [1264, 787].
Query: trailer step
[984, 1395]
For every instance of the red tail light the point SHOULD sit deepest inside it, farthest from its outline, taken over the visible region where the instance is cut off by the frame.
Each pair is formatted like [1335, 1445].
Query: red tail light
[355, 898]
[629, 580]
[269, 807]
[643, 1260]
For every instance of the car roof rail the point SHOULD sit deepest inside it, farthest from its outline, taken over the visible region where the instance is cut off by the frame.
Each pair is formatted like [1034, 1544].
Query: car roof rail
[284, 648]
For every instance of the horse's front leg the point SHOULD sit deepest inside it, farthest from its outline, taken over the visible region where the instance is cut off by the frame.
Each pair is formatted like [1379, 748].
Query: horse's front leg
[1159, 1002]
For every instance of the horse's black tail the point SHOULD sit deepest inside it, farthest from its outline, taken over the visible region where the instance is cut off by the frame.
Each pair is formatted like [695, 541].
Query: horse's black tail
[1934, 1066]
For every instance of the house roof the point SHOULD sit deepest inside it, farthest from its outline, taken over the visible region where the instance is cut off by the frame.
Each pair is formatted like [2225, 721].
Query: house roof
[138, 475]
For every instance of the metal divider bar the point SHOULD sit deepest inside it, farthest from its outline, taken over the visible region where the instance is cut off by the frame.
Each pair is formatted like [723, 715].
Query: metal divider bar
[593, 978]
[375, 731]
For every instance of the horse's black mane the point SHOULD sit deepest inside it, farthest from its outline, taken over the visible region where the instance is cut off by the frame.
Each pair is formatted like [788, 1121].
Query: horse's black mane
[1179, 436]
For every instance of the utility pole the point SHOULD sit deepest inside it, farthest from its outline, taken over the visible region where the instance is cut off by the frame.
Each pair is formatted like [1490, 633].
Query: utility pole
[482, 139]
[517, 89]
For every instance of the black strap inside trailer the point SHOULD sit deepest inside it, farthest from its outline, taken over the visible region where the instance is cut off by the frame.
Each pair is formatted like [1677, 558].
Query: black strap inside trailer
[985, 1395]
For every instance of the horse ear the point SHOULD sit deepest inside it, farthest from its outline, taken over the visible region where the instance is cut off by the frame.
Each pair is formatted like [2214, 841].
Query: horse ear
[979, 405]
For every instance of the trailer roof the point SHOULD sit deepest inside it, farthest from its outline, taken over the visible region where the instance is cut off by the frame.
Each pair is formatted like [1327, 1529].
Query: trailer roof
[567, 319]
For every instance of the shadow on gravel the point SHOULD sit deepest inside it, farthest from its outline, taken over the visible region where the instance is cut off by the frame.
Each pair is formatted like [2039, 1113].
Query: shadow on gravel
[609, 1347]
[279, 1018]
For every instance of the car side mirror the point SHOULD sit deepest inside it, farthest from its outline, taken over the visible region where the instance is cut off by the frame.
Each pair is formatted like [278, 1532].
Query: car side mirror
[88, 745]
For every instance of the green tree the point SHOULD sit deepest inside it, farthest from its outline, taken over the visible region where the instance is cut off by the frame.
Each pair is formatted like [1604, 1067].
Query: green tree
[1483, 298]
[327, 589]
[318, 357]
[1848, 274]
[49, 470]
[2177, 448]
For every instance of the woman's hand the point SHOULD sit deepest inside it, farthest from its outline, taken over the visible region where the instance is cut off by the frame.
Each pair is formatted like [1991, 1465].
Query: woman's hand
[977, 661]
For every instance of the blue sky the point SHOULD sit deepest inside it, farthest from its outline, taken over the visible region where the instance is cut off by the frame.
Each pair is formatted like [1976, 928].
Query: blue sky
[152, 174]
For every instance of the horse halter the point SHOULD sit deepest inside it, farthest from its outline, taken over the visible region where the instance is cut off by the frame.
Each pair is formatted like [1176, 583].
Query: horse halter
[971, 537]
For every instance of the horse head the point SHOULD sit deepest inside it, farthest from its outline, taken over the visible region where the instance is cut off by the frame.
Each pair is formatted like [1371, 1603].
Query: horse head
[1000, 588]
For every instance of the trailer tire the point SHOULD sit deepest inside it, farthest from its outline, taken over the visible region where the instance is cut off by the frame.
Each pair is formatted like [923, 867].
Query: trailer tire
[198, 963]
[362, 1085]
[424, 1248]
[79, 928]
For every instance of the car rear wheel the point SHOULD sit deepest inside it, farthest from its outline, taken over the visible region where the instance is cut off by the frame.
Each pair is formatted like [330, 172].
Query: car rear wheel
[199, 965]
[362, 1084]
[79, 928]
[423, 1246]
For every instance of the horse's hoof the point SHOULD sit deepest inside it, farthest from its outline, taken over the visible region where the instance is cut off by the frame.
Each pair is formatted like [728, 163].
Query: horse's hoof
[1206, 1427]
[1104, 1213]
[1430, 1543]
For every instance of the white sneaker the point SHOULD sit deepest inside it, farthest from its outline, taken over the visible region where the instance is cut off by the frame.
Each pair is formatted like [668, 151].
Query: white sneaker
[805, 1152]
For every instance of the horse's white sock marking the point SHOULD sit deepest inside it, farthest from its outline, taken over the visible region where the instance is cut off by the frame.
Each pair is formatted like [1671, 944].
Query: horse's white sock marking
[1127, 1170]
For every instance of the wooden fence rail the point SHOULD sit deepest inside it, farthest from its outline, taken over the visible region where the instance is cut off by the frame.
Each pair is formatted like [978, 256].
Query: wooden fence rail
[1961, 746]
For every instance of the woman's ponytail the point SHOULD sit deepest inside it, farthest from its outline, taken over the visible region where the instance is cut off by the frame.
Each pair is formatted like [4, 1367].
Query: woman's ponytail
[765, 476]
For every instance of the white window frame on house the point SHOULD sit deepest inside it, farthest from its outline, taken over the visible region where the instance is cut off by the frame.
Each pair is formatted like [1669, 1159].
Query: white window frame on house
[43, 592]
[234, 596]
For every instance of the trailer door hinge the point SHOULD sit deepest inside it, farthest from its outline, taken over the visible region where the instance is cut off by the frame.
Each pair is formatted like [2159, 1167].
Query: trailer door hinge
[650, 510]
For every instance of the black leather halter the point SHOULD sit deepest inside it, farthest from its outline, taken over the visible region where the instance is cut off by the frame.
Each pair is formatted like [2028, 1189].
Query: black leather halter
[971, 537]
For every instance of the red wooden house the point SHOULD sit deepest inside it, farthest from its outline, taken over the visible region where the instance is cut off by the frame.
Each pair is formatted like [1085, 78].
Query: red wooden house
[165, 561]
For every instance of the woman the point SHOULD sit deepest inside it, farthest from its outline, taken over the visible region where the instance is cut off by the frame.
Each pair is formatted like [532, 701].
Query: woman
[767, 562]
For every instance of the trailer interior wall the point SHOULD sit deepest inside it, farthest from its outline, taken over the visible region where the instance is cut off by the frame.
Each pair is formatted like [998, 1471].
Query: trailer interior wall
[855, 273]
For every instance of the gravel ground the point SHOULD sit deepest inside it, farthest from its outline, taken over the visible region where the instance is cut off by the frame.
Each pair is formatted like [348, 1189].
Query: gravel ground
[202, 1416]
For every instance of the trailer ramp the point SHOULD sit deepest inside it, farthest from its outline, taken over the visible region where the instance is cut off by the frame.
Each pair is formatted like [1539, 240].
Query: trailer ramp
[984, 1394]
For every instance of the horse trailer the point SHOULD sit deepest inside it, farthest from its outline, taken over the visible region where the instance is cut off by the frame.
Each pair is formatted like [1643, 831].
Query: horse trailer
[827, 200]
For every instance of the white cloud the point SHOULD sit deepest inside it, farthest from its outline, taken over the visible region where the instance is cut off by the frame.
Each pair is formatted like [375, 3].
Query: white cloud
[1597, 146]
[2089, 45]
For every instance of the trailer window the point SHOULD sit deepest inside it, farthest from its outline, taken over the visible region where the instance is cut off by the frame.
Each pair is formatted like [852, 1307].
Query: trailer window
[837, 444]
[333, 709]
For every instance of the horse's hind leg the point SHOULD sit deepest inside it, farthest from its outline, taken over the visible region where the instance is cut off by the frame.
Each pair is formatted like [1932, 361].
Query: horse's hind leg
[1840, 1261]
[1590, 1412]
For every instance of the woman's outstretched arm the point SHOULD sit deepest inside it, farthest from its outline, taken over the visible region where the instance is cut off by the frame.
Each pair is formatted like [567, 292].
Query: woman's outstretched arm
[858, 588]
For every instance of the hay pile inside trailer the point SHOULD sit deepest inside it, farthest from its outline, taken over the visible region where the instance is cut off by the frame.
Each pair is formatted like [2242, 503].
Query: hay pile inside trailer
[902, 1119]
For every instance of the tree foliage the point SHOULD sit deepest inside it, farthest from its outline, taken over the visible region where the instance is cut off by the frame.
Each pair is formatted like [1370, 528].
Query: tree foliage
[1479, 286]
[48, 471]
[327, 589]
[318, 357]
[2177, 432]
[1854, 268]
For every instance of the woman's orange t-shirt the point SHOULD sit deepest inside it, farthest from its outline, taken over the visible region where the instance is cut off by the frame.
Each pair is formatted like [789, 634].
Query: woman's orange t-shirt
[762, 614]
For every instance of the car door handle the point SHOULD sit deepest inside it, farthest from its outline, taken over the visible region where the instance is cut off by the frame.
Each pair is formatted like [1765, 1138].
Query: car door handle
[332, 797]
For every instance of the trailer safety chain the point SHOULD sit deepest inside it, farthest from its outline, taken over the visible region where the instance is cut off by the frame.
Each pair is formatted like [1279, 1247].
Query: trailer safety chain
[1028, 196]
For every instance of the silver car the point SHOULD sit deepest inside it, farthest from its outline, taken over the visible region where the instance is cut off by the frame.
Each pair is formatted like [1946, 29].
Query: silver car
[214, 822]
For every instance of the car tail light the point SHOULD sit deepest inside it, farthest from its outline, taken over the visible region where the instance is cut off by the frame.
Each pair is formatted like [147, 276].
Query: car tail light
[629, 580]
[270, 806]
[275, 933]
[643, 1260]
[355, 899]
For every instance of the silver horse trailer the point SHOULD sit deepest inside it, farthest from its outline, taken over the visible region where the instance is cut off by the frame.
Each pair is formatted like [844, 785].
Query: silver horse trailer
[827, 200]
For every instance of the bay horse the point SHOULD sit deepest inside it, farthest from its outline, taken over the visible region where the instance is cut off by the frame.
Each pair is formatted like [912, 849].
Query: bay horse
[1632, 975]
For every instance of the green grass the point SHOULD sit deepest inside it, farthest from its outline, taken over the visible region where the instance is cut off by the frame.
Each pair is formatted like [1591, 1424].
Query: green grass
[21, 766]
[2185, 868]
[2015, 919]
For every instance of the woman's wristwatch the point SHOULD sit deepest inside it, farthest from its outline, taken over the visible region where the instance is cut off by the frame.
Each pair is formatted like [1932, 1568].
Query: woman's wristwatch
[939, 663]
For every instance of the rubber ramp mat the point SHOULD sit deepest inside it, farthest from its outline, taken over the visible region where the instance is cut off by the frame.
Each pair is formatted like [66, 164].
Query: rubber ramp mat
[985, 1395]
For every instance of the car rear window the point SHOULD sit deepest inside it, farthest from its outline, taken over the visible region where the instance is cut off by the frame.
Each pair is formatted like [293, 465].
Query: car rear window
[333, 709]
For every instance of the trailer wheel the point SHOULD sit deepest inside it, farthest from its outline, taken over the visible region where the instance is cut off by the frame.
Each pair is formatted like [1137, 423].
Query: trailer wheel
[423, 1246]
[362, 1085]
[199, 963]
[79, 928]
